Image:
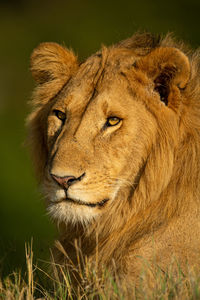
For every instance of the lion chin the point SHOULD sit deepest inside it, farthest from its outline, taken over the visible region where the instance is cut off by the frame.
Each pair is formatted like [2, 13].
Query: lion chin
[72, 210]
[115, 142]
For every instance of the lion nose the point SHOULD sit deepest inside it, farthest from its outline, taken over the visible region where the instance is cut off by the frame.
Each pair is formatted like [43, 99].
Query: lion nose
[65, 181]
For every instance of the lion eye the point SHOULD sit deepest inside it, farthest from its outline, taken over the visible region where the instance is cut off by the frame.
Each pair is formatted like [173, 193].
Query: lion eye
[60, 115]
[113, 121]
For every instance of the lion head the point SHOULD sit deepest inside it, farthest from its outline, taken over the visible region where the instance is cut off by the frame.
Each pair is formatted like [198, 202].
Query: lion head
[115, 139]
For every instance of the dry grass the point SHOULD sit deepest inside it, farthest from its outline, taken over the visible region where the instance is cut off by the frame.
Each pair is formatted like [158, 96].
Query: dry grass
[39, 284]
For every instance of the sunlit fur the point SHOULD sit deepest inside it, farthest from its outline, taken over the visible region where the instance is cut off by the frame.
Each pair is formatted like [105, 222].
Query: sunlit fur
[147, 167]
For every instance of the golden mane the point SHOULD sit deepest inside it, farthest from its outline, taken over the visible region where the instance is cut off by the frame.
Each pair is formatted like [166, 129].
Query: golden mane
[162, 203]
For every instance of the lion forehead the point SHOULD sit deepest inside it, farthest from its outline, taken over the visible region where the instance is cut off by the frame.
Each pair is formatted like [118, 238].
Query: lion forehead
[100, 75]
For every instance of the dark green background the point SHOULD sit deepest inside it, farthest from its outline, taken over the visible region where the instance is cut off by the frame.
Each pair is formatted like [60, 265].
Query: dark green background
[83, 25]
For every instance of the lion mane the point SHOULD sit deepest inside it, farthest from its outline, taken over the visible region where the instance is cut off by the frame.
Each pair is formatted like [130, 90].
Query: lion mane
[115, 142]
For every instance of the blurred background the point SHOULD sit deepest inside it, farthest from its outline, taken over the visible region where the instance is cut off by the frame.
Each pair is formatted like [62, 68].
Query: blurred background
[83, 25]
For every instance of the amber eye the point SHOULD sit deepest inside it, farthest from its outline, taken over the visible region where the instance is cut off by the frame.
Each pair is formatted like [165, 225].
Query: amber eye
[60, 115]
[113, 121]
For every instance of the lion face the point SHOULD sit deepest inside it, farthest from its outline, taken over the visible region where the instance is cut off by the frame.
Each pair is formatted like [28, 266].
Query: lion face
[95, 151]
[97, 130]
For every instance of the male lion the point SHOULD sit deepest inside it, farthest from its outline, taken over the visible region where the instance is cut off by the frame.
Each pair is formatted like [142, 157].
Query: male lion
[116, 144]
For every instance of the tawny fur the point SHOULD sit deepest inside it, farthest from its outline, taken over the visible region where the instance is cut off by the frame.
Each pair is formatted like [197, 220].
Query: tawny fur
[147, 166]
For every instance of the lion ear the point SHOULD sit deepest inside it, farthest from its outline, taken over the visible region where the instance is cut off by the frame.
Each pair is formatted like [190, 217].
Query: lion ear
[51, 61]
[52, 66]
[167, 67]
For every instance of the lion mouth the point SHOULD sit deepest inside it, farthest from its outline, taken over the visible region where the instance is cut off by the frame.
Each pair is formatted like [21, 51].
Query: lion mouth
[80, 202]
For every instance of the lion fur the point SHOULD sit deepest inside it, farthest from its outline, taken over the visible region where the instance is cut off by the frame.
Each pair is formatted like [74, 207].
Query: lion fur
[157, 216]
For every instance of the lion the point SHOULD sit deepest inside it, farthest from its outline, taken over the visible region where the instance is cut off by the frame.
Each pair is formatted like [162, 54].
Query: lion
[115, 142]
